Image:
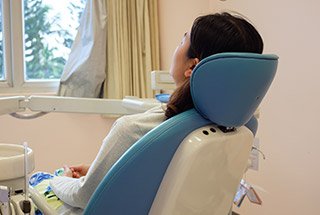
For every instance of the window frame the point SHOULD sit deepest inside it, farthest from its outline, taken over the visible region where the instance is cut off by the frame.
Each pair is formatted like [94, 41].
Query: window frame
[13, 54]
[7, 82]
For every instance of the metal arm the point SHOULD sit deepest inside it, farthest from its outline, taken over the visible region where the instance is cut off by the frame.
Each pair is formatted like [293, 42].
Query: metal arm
[11, 104]
[45, 104]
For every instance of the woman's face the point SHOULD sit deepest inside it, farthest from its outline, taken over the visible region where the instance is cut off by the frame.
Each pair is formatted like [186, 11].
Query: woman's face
[181, 67]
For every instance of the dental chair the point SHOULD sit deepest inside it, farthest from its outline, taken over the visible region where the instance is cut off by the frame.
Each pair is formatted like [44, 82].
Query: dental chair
[193, 162]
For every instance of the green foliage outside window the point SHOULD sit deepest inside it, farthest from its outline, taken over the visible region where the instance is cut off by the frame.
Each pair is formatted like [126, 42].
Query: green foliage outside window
[42, 60]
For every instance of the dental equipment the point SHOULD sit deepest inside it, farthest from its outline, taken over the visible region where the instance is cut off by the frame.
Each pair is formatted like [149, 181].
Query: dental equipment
[172, 187]
[12, 182]
[160, 80]
[16, 162]
[45, 104]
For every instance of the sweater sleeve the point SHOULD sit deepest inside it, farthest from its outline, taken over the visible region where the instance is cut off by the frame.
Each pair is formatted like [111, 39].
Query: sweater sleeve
[77, 192]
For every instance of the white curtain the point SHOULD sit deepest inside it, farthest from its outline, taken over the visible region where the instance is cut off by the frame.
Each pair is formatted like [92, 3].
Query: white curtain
[84, 71]
[115, 50]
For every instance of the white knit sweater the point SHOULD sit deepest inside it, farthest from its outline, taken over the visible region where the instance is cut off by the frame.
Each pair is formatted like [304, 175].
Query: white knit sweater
[124, 133]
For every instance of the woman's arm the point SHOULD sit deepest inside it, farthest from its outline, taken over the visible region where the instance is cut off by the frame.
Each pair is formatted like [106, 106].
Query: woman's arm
[125, 132]
[77, 191]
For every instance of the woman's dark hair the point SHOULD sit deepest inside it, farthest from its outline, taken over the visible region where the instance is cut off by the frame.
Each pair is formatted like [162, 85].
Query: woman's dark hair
[212, 34]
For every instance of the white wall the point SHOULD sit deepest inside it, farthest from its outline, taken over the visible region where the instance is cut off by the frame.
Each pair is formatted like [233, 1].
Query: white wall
[290, 113]
[57, 138]
[175, 18]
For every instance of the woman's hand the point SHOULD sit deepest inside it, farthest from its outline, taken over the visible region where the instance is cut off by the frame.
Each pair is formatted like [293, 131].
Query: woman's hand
[79, 171]
[67, 171]
[76, 171]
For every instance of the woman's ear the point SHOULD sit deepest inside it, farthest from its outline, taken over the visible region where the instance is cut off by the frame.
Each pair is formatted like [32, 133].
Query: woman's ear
[193, 63]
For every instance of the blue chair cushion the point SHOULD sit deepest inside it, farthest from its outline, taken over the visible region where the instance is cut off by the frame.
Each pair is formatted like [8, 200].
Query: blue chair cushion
[227, 88]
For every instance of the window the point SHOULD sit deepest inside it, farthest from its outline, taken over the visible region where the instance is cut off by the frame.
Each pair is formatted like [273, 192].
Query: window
[1, 45]
[35, 41]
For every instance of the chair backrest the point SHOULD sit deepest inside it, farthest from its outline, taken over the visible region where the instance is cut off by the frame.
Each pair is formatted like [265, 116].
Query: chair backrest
[131, 185]
[204, 174]
[227, 88]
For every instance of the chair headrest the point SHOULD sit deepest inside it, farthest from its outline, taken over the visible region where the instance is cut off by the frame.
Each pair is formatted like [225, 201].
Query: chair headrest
[227, 88]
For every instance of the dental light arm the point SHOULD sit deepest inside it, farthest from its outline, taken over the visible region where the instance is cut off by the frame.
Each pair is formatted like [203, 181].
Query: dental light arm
[10, 105]
[129, 105]
[159, 80]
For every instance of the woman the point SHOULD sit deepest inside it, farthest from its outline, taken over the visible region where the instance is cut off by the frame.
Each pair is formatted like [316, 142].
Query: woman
[210, 34]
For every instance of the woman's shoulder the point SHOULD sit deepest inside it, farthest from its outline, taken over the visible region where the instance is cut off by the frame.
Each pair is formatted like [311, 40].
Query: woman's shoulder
[156, 112]
[149, 118]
